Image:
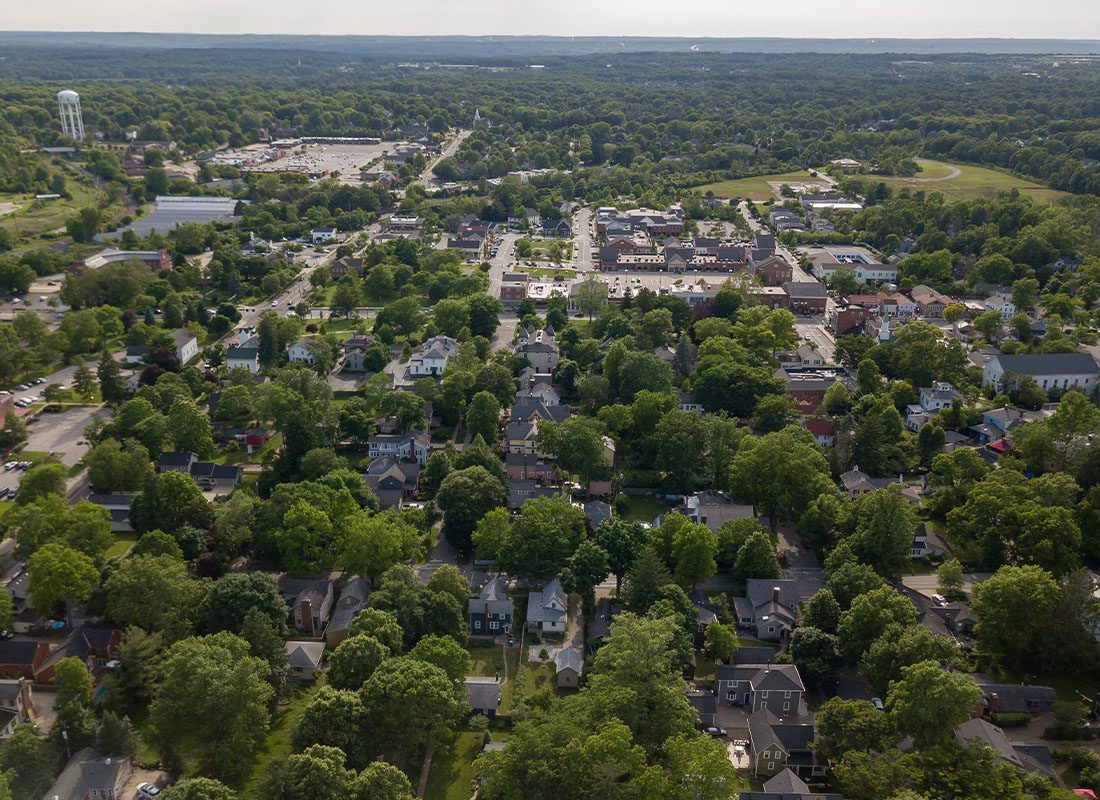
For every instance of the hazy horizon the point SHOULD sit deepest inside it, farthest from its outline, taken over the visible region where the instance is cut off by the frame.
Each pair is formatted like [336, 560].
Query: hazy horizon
[844, 19]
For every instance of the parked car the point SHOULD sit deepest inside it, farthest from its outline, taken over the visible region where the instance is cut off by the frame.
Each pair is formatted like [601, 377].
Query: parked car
[878, 704]
[717, 733]
[149, 790]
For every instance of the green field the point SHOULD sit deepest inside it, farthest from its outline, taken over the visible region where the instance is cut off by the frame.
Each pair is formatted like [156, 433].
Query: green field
[37, 217]
[452, 772]
[754, 188]
[969, 183]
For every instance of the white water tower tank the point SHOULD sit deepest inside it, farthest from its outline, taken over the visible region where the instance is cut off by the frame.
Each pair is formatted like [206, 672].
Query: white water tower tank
[72, 122]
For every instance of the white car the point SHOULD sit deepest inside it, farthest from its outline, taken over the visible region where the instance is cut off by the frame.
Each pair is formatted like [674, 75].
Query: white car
[147, 790]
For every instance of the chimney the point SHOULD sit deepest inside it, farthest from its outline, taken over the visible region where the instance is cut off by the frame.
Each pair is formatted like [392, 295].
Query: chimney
[775, 594]
[992, 703]
[307, 617]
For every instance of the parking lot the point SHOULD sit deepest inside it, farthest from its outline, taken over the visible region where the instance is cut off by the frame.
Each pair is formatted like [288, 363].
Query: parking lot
[347, 159]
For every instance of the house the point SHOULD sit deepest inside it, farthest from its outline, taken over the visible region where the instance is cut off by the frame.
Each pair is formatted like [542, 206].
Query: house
[689, 403]
[1049, 370]
[435, 354]
[303, 660]
[21, 659]
[1001, 304]
[491, 611]
[523, 467]
[519, 492]
[309, 601]
[213, 477]
[926, 544]
[539, 348]
[306, 351]
[929, 302]
[779, 745]
[712, 508]
[118, 506]
[828, 260]
[933, 399]
[483, 693]
[772, 271]
[806, 297]
[528, 408]
[823, 430]
[351, 601]
[556, 228]
[244, 356]
[187, 346]
[16, 705]
[404, 224]
[393, 481]
[548, 609]
[786, 785]
[597, 512]
[807, 385]
[355, 353]
[1017, 698]
[568, 666]
[95, 645]
[91, 776]
[323, 235]
[521, 438]
[1025, 756]
[411, 446]
[705, 705]
[769, 607]
[136, 353]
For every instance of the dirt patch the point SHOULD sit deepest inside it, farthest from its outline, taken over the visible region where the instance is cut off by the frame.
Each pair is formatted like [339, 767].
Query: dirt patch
[8, 208]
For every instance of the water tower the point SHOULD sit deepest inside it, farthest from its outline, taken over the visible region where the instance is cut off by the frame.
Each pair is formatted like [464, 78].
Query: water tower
[72, 123]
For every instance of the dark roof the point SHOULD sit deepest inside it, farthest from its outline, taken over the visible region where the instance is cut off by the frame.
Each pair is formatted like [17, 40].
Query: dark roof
[703, 702]
[753, 655]
[21, 652]
[1048, 363]
[175, 459]
[1019, 698]
[806, 289]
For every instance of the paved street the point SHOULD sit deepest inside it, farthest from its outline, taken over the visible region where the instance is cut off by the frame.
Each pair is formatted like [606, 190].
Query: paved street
[427, 178]
[814, 330]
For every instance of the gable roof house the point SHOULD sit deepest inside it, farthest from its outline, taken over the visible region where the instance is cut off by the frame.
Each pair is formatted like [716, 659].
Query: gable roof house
[548, 609]
[769, 608]
[21, 659]
[95, 645]
[392, 480]
[309, 601]
[352, 600]
[91, 776]
[778, 745]
[244, 356]
[187, 346]
[1017, 698]
[434, 356]
[303, 660]
[16, 705]
[568, 666]
[483, 694]
[1025, 756]
[929, 302]
[491, 611]
[1050, 370]
[411, 446]
[786, 785]
[540, 349]
[306, 351]
[712, 508]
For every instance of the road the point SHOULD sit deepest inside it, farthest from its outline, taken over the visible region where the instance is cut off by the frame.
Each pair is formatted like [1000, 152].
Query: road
[582, 232]
[798, 275]
[427, 177]
[502, 262]
[813, 329]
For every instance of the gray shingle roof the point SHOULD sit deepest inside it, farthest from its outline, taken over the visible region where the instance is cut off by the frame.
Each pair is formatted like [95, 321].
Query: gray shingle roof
[1048, 363]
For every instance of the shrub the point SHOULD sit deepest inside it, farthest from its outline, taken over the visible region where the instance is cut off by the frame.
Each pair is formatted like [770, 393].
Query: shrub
[1017, 720]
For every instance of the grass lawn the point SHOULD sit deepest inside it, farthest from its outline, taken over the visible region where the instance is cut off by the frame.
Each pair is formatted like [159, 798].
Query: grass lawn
[488, 659]
[756, 187]
[5, 507]
[121, 546]
[970, 184]
[548, 272]
[452, 771]
[643, 508]
[276, 746]
[36, 217]
[242, 456]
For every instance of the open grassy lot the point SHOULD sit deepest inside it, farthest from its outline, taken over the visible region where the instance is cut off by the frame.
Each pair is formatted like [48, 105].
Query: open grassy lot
[452, 771]
[33, 217]
[122, 545]
[965, 182]
[754, 188]
[276, 746]
[643, 508]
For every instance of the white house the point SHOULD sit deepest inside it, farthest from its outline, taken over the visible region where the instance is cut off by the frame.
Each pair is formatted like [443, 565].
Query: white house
[933, 399]
[187, 346]
[305, 351]
[1049, 370]
[436, 354]
[323, 235]
[411, 446]
[246, 356]
[1001, 304]
[548, 610]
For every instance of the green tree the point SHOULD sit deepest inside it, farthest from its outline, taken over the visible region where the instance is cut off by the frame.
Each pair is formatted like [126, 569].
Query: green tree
[233, 595]
[47, 477]
[586, 568]
[543, 536]
[622, 540]
[644, 581]
[59, 574]
[224, 728]
[445, 653]
[373, 544]
[84, 382]
[842, 726]
[153, 592]
[816, 654]
[869, 616]
[780, 473]
[720, 642]
[354, 660]
[822, 611]
[756, 558]
[899, 647]
[115, 466]
[111, 385]
[950, 577]
[928, 702]
[170, 501]
[198, 789]
[465, 496]
[13, 432]
[1013, 608]
[483, 417]
[693, 549]
[334, 718]
[884, 523]
[408, 702]
[382, 625]
[73, 682]
[700, 767]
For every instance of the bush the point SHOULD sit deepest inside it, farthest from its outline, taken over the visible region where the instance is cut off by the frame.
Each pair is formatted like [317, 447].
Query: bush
[1017, 720]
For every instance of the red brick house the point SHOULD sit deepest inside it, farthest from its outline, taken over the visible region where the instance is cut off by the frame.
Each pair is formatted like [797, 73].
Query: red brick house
[20, 659]
[95, 645]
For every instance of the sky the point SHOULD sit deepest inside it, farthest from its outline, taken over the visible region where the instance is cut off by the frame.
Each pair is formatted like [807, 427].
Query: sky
[1055, 19]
